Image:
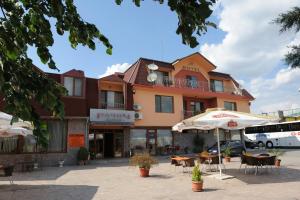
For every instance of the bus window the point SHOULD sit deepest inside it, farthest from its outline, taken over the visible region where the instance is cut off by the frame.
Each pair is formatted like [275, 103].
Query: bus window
[295, 126]
[283, 127]
[260, 129]
[271, 129]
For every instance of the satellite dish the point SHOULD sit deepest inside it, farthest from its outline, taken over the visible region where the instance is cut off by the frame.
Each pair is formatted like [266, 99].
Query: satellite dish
[152, 77]
[152, 66]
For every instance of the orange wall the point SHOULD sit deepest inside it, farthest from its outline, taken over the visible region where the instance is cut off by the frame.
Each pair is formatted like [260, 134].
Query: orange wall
[194, 62]
[242, 106]
[146, 99]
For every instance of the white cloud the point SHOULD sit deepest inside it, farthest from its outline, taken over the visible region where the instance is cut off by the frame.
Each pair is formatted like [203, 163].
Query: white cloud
[253, 49]
[115, 68]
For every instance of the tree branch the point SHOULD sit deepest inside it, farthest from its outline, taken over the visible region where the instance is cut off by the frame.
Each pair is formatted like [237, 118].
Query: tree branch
[3, 13]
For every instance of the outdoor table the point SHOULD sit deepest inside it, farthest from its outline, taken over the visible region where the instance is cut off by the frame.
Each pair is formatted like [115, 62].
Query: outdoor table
[181, 158]
[207, 157]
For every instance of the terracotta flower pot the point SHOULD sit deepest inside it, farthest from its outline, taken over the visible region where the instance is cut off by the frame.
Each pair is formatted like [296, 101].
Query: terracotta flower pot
[277, 162]
[197, 186]
[227, 159]
[144, 172]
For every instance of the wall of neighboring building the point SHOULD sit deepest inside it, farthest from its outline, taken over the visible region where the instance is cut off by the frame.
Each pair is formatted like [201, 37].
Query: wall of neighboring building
[146, 98]
[76, 126]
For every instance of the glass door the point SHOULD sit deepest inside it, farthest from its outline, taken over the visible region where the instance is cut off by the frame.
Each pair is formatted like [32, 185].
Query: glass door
[99, 145]
[151, 141]
[118, 144]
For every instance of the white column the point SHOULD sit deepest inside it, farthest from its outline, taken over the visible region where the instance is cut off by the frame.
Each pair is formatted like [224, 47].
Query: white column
[219, 151]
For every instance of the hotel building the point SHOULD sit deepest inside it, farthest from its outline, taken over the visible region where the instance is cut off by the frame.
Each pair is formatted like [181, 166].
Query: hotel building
[122, 113]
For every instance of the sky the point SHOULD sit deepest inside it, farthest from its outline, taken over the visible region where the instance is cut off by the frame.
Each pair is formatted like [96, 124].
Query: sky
[246, 44]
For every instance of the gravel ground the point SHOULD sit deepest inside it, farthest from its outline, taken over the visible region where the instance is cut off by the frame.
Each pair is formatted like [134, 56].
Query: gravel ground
[118, 181]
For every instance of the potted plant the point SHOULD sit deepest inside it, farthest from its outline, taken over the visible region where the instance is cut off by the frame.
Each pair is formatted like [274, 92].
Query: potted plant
[197, 182]
[278, 153]
[83, 156]
[144, 162]
[227, 153]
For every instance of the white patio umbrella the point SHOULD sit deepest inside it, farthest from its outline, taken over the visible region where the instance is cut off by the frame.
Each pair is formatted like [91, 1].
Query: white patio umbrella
[14, 131]
[219, 118]
[5, 122]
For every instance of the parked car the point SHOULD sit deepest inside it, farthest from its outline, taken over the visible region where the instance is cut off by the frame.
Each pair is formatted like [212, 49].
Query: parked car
[236, 147]
[251, 144]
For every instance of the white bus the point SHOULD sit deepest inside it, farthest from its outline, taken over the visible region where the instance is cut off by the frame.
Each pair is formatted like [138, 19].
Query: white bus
[285, 134]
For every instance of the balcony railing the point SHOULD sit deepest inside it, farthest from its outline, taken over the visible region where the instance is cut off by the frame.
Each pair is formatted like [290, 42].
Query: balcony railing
[192, 84]
[188, 113]
[112, 106]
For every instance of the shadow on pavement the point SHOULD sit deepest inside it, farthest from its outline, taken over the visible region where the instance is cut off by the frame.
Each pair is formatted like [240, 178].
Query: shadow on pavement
[47, 192]
[280, 175]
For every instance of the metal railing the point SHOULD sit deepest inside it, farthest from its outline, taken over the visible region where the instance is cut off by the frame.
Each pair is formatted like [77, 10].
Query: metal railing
[189, 113]
[112, 106]
[204, 86]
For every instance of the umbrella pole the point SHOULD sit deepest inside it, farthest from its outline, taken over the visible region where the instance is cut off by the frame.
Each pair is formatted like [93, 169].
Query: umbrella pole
[219, 151]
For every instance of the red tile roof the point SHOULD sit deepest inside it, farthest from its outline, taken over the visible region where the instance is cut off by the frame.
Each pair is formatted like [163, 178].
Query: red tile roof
[112, 78]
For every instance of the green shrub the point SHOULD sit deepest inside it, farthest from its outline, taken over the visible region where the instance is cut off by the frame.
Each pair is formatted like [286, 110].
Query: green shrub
[83, 154]
[196, 174]
[227, 152]
[142, 161]
[276, 152]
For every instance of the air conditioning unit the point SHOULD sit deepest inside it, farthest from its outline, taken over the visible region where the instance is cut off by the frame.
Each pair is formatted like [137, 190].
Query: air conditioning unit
[138, 115]
[137, 107]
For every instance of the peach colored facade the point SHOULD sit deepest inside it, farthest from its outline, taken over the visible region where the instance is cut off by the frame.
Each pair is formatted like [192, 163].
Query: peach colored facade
[196, 66]
[146, 99]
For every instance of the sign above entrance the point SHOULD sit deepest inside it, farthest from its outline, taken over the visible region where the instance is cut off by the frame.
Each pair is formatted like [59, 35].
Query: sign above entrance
[106, 116]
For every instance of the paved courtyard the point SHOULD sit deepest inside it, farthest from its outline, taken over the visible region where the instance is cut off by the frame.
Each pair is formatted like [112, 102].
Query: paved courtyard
[118, 181]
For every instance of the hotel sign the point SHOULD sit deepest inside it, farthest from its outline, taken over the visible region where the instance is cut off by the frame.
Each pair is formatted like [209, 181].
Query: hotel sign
[107, 116]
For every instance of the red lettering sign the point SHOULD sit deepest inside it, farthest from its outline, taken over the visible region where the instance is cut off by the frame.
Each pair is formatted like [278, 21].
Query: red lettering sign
[225, 115]
[232, 124]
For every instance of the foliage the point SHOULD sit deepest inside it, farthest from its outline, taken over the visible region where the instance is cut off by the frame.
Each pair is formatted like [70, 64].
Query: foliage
[198, 143]
[227, 152]
[276, 152]
[192, 17]
[83, 154]
[288, 21]
[196, 174]
[143, 161]
[26, 23]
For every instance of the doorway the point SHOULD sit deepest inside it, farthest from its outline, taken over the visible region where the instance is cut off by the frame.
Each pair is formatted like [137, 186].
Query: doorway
[108, 145]
[151, 142]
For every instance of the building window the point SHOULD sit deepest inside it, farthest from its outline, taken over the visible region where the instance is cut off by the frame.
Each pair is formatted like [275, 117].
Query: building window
[111, 100]
[196, 107]
[164, 104]
[192, 81]
[216, 86]
[230, 105]
[74, 86]
[163, 78]
[138, 139]
[164, 137]
[57, 136]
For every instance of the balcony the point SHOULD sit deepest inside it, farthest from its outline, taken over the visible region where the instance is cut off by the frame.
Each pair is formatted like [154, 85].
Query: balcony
[112, 106]
[188, 113]
[193, 84]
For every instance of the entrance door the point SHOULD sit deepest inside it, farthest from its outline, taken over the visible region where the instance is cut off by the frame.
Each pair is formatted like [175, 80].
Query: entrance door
[108, 145]
[151, 141]
[96, 145]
